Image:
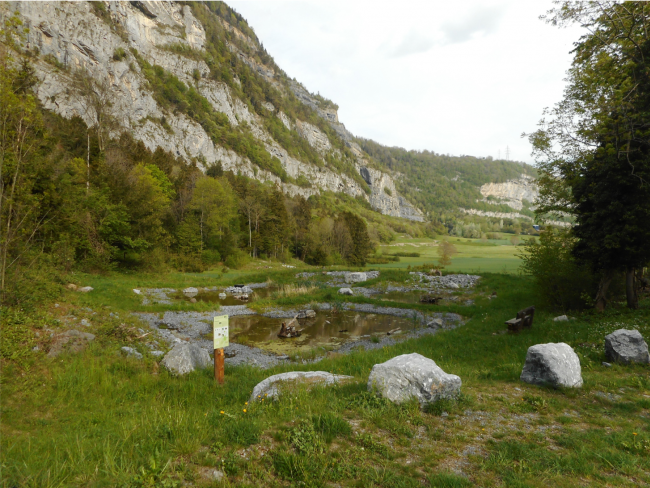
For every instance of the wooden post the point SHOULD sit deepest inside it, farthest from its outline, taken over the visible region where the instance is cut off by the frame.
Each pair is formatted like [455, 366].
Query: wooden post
[218, 365]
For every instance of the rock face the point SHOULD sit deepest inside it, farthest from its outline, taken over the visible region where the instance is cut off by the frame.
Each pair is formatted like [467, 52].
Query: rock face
[512, 192]
[413, 376]
[70, 341]
[77, 35]
[626, 346]
[185, 358]
[553, 365]
[269, 388]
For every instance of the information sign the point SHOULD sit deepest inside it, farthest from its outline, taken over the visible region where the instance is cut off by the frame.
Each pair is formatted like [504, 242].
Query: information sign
[220, 332]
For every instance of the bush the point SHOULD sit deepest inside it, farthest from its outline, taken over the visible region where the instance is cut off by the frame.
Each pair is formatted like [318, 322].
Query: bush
[561, 282]
[237, 260]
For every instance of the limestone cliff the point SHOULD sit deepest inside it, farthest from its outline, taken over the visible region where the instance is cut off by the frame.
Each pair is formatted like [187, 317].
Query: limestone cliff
[512, 192]
[71, 36]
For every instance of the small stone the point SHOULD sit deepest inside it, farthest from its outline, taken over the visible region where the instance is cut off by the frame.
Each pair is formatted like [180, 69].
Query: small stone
[157, 353]
[71, 286]
[85, 322]
[136, 291]
[85, 289]
[413, 376]
[626, 346]
[552, 364]
[355, 277]
[130, 352]
[453, 285]
[190, 292]
[36, 348]
[56, 305]
[222, 296]
[561, 318]
[435, 323]
[269, 387]
[306, 314]
[345, 291]
[192, 300]
[607, 365]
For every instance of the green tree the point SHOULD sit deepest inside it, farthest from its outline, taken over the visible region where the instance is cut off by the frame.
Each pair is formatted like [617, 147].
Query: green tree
[361, 245]
[593, 147]
[213, 201]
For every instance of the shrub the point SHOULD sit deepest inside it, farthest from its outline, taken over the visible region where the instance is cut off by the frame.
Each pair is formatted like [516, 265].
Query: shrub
[119, 54]
[237, 260]
[561, 282]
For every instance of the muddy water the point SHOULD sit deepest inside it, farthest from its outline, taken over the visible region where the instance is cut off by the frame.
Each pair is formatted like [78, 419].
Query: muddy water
[326, 330]
[213, 296]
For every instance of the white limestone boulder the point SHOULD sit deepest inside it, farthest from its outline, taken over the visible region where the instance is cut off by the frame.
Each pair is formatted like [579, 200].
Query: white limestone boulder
[355, 277]
[553, 365]
[345, 291]
[185, 358]
[626, 346]
[413, 376]
[270, 387]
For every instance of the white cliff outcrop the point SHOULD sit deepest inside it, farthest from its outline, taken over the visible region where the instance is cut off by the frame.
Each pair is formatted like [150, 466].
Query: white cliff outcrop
[512, 192]
[73, 36]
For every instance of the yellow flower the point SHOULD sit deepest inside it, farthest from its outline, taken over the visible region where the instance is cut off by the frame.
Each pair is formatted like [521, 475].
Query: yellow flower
[246, 403]
[633, 433]
[244, 410]
[222, 412]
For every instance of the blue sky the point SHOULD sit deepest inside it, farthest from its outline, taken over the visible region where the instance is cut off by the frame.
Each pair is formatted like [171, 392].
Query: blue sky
[452, 77]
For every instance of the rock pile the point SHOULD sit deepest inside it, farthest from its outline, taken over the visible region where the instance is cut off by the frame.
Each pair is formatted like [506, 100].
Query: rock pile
[454, 281]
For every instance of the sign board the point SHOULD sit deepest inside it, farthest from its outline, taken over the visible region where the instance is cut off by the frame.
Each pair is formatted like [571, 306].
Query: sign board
[220, 332]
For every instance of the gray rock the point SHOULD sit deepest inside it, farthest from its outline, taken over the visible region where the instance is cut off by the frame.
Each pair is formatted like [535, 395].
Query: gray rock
[136, 291]
[239, 290]
[185, 358]
[85, 289]
[626, 346]
[552, 364]
[561, 318]
[413, 376]
[85, 322]
[453, 285]
[435, 323]
[190, 292]
[269, 387]
[222, 296]
[346, 291]
[129, 352]
[157, 354]
[306, 314]
[607, 365]
[355, 277]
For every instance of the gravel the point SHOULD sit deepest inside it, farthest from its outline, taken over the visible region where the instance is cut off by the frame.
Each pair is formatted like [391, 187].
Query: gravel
[454, 281]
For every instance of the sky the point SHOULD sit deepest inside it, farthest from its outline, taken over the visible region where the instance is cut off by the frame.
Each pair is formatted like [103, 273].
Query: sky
[452, 77]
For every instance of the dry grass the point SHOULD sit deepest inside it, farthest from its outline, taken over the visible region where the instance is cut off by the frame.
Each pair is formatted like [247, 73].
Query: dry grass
[292, 290]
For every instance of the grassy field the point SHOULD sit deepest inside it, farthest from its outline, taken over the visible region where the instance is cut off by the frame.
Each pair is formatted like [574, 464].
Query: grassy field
[98, 419]
[474, 255]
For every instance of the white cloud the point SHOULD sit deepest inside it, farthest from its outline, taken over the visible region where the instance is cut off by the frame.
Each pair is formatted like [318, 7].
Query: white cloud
[479, 22]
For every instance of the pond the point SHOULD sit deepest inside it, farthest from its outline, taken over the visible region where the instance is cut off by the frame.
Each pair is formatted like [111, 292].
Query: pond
[414, 296]
[327, 329]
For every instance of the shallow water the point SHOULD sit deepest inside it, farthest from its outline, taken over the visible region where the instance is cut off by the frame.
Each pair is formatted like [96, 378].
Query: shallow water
[412, 296]
[325, 330]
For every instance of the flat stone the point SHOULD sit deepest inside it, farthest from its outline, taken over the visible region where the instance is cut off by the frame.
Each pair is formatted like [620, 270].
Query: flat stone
[130, 352]
[222, 296]
[85, 289]
[136, 291]
[157, 354]
[355, 277]
[553, 365]
[72, 341]
[71, 286]
[269, 388]
[607, 365]
[190, 292]
[561, 318]
[413, 376]
[345, 291]
[185, 358]
[626, 346]
[85, 322]
[435, 323]
[306, 314]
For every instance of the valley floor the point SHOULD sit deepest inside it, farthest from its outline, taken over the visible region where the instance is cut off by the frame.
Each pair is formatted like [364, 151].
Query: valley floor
[97, 418]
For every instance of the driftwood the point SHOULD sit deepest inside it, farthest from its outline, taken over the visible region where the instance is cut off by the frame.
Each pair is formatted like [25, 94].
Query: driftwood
[524, 319]
[430, 299]
[288, 330]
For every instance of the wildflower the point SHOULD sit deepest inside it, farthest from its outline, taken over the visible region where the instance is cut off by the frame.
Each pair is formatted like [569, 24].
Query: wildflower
[633, 433]
[246, 403]
[222, 412]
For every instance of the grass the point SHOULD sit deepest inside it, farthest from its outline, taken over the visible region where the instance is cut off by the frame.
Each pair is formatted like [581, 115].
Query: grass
[98, 419]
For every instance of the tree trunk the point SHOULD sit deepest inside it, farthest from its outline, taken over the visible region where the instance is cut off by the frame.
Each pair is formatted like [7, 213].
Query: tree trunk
[630, 289]
[601, 296]
[88, 162]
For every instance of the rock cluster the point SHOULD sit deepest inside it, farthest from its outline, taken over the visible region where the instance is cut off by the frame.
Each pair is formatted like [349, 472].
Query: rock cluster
[626, 346]
[413, 376]
[553, 365]
[453, 281]
[239, 290]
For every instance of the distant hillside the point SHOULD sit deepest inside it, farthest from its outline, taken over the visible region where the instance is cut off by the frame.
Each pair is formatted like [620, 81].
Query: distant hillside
[440, 183]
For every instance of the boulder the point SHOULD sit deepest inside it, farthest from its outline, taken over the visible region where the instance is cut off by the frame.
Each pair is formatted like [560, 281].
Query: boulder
[306, 314]
[561, 318]
[185, 358]
[453, 285]
[355, 277]
[626, 346]
[345, 291]
[69, 341]
[269, 387]
[413, 376]
[85, 289]
[222, 296]
[190, 292]
[553, 365]
[71, 286]
[435, 323]
[129, 352]
[239, 289]
[136, 291]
